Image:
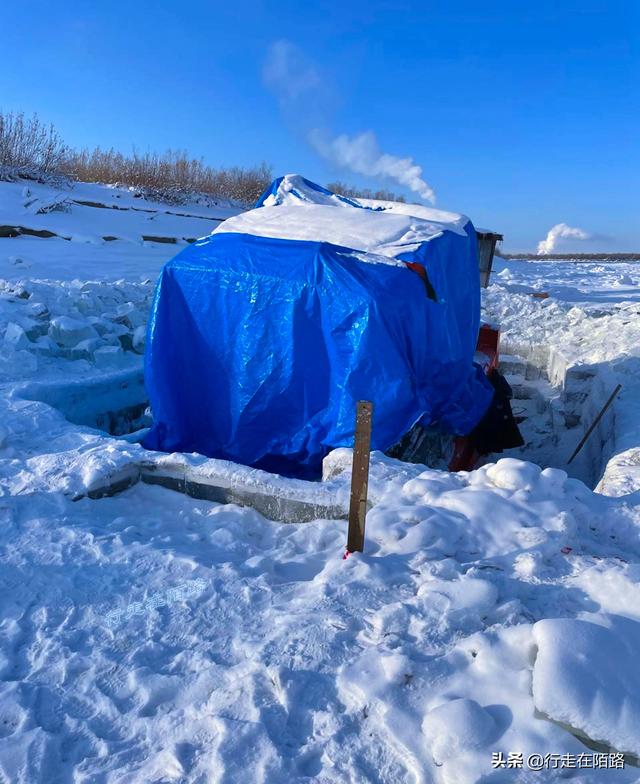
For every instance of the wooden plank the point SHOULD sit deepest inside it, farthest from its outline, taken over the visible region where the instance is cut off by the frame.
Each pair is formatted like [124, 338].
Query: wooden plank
[360, 477]
[584, 438]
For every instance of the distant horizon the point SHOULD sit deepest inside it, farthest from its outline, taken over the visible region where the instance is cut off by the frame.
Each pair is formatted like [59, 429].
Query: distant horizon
[347, 189]
[605, 256]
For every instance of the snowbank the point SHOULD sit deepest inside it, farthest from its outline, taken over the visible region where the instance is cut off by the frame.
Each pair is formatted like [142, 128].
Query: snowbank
[91, 231]
[586, 677]
[586, 338]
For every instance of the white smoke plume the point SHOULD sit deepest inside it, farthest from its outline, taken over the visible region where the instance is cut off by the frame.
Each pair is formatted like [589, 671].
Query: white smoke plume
[362, 155]
[305, 96]
[288, 72]
[557, 232]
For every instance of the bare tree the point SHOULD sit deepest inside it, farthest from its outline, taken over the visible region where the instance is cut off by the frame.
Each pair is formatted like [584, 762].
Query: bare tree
[28, 148]
[352, 192]
[28, 144]
[170, 175]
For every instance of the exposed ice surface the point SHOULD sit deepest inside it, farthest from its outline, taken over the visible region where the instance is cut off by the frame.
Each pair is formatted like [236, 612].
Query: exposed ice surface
[492, 611]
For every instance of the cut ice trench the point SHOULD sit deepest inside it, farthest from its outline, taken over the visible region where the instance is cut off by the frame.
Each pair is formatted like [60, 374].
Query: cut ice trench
[556, 402]
[115, 403]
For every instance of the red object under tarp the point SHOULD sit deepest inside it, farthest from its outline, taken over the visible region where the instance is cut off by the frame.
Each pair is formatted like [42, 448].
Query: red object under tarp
[465, 455]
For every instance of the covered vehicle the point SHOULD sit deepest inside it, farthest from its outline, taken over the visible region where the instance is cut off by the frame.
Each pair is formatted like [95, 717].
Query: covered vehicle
[264, 335]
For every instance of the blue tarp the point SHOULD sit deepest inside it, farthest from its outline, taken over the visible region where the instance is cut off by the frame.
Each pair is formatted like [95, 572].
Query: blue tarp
[275, 190]
[258, 348]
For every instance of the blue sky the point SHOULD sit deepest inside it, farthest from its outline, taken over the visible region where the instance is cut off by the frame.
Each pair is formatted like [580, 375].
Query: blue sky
[521, 114]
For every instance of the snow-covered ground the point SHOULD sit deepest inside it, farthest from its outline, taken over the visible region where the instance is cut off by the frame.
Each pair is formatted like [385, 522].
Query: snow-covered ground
[99, 231]
[151, 637]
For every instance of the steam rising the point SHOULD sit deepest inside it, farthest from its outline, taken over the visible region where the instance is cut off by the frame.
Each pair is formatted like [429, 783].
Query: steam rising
[288, 73]
[362, 155]
[303, 93]
[557, 232]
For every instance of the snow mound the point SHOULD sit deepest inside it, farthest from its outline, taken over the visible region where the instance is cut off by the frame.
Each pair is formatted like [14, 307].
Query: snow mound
[586, 676]
[293, 190]
[511, 474]
[456, 727]
[301, 210]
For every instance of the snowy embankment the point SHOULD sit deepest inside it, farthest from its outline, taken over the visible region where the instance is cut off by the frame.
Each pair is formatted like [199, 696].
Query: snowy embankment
[586, 339]
[152, 637]
[95, 232]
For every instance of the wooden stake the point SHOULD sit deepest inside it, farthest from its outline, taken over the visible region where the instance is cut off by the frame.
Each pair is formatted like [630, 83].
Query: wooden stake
[360, 477]
[583, 440]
